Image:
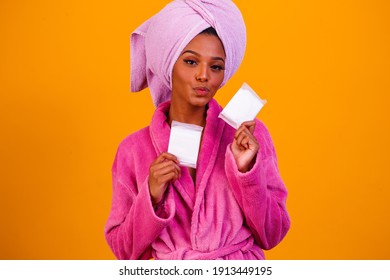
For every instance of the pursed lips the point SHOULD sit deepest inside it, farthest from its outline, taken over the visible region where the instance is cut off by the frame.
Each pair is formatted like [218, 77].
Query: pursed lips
[202, 90]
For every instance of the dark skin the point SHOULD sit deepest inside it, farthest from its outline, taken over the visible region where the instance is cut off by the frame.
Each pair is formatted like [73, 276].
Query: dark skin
[196, 77]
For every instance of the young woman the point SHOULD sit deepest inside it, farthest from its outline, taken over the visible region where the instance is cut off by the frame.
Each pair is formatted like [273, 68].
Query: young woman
[233, 204]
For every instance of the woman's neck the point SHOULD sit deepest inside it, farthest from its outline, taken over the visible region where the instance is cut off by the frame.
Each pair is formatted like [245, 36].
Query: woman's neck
[190, 114]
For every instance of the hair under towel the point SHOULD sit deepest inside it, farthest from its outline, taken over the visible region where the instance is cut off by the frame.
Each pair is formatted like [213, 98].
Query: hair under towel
[158, 42]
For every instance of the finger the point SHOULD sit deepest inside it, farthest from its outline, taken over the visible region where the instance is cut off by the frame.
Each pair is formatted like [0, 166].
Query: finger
[240, 138]
[245, 142]
[240, 135]
[168, 177]
[243, 131]
[161, 171]
[239, 131]
[169, 156]
[249, 133]
[246, 126]
[161, 181]
[161, 165]
[239, 142]
[250, 125]
[172, 173]
[158, 169]
[166, 156]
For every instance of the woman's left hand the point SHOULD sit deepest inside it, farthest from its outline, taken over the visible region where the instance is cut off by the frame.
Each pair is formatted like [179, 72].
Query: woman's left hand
[245, 146]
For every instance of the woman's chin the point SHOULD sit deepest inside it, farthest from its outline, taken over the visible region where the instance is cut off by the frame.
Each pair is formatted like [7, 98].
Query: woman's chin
[200, 101]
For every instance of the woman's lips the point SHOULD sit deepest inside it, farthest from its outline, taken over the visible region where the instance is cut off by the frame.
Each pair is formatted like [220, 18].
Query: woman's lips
[201, 91]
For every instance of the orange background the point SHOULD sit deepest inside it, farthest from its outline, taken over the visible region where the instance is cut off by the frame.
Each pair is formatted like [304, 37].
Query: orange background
[323, 66]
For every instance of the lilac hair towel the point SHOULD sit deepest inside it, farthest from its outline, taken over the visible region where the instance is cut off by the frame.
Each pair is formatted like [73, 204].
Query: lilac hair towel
[157, 43]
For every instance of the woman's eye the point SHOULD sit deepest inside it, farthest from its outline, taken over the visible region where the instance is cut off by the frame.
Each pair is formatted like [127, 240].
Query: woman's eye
[190, 61]
[217, 67]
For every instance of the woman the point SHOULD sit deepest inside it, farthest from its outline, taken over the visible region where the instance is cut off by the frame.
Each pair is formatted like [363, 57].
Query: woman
[233, 204]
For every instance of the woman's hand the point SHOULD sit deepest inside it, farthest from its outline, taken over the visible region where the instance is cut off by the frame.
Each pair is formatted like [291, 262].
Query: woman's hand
[164, 169]
[245, 146]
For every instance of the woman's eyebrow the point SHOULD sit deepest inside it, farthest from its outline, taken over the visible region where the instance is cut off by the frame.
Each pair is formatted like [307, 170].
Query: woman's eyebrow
[197, 54]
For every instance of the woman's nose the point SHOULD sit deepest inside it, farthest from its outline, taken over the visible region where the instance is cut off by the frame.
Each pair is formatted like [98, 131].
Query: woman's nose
[202, 74]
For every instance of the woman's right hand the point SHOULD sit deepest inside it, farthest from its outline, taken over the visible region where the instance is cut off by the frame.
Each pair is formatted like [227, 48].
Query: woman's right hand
[164, 169]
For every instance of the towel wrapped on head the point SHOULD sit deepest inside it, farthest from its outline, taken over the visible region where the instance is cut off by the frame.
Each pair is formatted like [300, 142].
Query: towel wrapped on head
[158, 42]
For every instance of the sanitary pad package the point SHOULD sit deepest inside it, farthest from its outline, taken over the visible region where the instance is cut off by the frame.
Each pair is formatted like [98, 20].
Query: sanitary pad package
[244, 106]
[184, 142]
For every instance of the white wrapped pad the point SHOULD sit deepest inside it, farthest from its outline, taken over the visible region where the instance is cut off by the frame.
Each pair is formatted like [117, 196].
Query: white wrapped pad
[184, 142]
[244, 106]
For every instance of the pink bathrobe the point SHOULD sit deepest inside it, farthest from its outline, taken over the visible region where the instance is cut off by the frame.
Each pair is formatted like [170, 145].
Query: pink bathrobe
[225, 215]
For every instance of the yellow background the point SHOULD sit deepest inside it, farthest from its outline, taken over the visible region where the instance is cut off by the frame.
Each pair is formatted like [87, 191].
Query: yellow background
[323, 66]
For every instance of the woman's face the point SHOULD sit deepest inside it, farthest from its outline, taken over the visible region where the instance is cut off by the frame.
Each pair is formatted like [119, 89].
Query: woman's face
[199, 71]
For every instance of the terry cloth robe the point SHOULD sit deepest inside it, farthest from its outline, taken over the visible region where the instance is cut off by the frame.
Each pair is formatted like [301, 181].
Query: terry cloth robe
[225, 215]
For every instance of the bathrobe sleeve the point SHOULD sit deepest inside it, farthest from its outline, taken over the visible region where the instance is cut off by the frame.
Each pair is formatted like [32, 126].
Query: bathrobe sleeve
[261, 192]
[133, 224]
